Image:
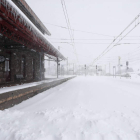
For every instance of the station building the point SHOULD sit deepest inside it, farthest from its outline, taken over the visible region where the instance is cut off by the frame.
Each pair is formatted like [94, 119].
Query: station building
[22, 44]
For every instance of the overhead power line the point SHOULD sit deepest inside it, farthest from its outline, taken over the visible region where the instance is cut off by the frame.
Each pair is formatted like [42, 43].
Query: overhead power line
[117, 38]
[94, 43]
[68, 25]
[59, 26]
[87, 39]
[79, 30]
[77, 53]
[120, 40]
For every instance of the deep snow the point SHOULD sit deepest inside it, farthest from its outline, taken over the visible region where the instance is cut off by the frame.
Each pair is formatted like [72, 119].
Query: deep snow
[84, 108]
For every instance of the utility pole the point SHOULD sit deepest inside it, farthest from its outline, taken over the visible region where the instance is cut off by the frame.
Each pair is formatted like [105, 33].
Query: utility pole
[114, 71]
[109, 67]
[85, 70]
[79, 69]
[67, 65]
[59, 69]
[119, 65]
[40, 66]
[96, 70]
[62, 70]
[127, 66]
[73, 68]
[105, 69]
[57, 66]
[49, 66]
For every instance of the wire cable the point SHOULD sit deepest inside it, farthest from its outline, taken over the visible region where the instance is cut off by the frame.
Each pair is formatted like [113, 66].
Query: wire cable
[68, 25]
[106, 50]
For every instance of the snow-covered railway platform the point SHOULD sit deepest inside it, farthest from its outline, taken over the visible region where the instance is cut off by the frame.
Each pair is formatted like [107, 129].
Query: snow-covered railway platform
[9, 96]
[84, 108]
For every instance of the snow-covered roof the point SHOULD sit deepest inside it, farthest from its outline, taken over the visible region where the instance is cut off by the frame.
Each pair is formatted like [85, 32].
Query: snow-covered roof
[28, 27]
[25, 8]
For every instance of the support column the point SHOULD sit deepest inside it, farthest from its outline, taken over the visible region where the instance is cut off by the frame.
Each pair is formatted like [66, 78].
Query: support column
[57, 66]
[40, 68]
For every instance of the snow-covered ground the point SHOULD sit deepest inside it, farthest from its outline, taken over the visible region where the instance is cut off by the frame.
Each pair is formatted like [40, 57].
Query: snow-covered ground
[84, 108]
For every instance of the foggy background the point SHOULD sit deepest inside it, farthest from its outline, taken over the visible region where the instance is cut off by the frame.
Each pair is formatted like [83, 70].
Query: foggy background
[95, 24]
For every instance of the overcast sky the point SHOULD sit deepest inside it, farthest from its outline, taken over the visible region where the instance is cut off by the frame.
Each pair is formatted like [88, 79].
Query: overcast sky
[106, 17]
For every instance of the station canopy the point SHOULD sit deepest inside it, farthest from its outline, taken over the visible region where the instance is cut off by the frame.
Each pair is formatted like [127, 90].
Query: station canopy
[16, 27]
[25, 8]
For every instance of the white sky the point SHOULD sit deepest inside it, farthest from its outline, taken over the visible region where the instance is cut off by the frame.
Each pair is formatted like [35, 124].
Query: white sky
[108, 17]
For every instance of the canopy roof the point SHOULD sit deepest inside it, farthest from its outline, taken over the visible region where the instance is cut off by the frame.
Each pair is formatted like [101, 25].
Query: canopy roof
[15, 26]
[25, 8]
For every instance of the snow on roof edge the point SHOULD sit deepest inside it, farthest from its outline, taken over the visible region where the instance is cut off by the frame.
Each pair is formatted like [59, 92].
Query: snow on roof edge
[35, 29]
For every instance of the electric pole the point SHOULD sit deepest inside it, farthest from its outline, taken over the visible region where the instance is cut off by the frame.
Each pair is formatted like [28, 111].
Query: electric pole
[96, 70]
[85, 70]
[105, 69]
[57, 66]
[73, 68]
[67, 65]
[109, 67]
[119, 65]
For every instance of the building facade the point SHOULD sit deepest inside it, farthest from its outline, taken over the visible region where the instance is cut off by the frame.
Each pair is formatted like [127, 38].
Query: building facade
[20, 64]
